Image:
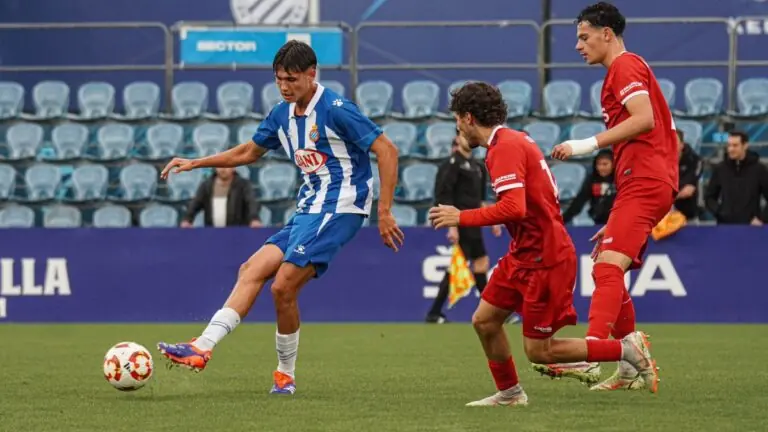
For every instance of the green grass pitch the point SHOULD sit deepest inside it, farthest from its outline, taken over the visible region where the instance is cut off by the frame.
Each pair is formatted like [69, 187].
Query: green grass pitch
[368, 377]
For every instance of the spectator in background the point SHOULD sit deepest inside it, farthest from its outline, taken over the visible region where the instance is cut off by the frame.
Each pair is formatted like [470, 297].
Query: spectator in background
[599, 189]
[226, 199]
[690, 172]
[733, 192]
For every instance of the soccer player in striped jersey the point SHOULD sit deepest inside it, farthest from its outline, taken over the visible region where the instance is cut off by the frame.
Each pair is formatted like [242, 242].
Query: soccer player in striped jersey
[329, 140]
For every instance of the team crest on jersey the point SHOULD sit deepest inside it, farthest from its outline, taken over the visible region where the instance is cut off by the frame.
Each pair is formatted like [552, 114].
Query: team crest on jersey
[309, 161]
[314, 134]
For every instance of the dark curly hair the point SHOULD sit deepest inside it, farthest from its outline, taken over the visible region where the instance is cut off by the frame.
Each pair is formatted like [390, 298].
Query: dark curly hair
[603, 14]
[294, 57]
[482, 100]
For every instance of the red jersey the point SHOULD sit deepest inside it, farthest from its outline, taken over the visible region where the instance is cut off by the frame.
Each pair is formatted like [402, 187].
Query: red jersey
[521, 179]
[653, 154]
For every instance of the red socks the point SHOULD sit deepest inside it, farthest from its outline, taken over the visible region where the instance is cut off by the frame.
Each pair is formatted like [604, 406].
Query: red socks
[606, 300]
[603, 350]
[504, 373]
[626, 322]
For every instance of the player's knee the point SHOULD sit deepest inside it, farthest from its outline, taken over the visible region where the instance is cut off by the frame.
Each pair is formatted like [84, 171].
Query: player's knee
[616, 258]
[484, 324]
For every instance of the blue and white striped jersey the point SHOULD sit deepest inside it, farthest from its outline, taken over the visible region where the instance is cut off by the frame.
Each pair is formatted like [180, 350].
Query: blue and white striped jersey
[330, 145]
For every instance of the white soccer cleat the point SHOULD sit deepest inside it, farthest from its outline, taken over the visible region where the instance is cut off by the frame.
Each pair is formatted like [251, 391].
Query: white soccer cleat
[498, 399]
[587, 373]
[637, 351]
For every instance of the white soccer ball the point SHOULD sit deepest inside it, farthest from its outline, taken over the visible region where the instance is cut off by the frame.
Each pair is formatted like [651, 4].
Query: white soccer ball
[128, 366]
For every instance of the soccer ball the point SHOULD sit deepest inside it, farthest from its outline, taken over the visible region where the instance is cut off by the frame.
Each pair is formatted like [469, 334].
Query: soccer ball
[128, 366]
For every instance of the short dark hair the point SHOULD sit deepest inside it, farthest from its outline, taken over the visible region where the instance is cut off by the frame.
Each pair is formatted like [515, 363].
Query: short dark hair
[482, 100]
[294, 56]
[603, 14]
[680, 135]
[743, 136]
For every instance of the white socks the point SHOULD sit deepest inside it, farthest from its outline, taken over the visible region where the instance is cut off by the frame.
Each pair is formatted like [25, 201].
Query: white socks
[287, 350]
[223, 323]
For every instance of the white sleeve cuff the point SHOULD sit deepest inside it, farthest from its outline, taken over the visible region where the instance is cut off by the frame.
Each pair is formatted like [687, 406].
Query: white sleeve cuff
[583, 146]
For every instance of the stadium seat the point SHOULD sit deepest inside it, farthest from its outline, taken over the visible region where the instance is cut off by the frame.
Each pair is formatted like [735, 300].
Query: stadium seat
[50, 99]
[245, 132]
[692, 133]
[288, 214]
[114, 141]
[270, 96]
[479, 153]
[595, 92]
[183, 186]
[138, 182]
[569, 177]
[158, 216]
[7, 181]
[277, 181]
[11, 100]
[376, 180]
[42, 182]
[421, 99]
[583, 219]
[17, 216]
[24, 141]
[334, 86]
[141, 100]
[703, 97]
[584, 130]
[96, 100]
[164, 141]
[668, 88]
[265, 216]
[112, 216]
[375, 98]
[752, 98]
[403, 135]
[405, 216]
[518, 96]
[89, 182]
[243, 171]
[439, 138]
[69, 141]
[545, 133]
[562, 98]
[418, 181]
[189, 100]
[446, 115]
[234, 99]
[210, 138]
[62, 216]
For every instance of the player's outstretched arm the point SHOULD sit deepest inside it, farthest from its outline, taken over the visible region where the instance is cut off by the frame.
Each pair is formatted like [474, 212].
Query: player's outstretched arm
[242, 154]
[510, 208]
[387, 154]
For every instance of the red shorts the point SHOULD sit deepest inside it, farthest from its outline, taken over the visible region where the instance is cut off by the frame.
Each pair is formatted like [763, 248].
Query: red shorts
[542, 296]
[639, 206]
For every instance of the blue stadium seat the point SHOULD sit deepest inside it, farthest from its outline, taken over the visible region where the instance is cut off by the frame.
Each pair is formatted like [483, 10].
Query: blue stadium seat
[703, 97]
[234, 99]
[545, 133]
[89, 182]
[51, 100]
[584, 130]
[141, 100]
[243, 171]
[24, 140]
[62, 216]
[569, 178]
[138, 182]
[164, 140]
[158, 216]
[693, 133]
[112, 216]
[595, 92]
[265, 216]
[451, 87]
[479, 153]
[277, 181]
[114, 141]
[11, 100]
[288, 214]
[421, 99]
[405, 216]
[17, 216]
[562, 98]
[210, 138]
[752, 97]
[96, 100]
[189, 100]
[270, 96]
[7, 181]
[42, 181]
[668, 88]
[583, 219]
[183, 186]
[334, 86]
[69, 141]
[375, 98]
[418, 182]
[376, 180]
[518, 96]
[245, 132]
[403, 135]
[439, 137]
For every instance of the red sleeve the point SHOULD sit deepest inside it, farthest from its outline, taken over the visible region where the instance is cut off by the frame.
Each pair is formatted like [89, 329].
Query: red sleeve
[630, 78]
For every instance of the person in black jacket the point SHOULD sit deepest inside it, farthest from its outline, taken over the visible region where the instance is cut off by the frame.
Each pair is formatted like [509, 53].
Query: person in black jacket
[461, 182]
[733, 192]
[690, 172]
[599, 189]
[226, 199]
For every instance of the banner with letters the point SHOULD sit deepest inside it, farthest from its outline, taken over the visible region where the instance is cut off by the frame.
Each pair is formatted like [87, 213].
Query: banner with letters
[707, 274]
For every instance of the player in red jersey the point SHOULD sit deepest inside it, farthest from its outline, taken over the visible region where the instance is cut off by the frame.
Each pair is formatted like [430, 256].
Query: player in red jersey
[642, 133]
[536, 277]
